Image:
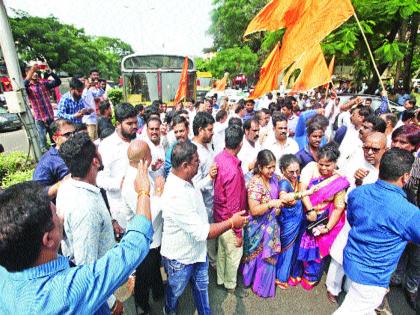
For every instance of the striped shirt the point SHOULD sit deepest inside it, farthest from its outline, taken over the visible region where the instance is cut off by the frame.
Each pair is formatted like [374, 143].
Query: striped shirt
[68, 107]
[185, 222]
[55, 288]
[39, 97]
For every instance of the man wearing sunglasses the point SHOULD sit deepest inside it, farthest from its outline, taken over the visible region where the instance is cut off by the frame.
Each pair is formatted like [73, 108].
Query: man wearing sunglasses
[51, 169]
[367, 172]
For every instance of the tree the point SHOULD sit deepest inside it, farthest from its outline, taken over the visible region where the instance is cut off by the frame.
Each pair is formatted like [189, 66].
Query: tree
[65, 47]
[237, 60]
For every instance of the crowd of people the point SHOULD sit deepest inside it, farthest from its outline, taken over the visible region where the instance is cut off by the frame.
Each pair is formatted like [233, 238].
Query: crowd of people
[277, 192]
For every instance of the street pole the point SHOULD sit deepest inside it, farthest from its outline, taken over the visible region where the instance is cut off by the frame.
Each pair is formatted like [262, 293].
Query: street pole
[8, 47]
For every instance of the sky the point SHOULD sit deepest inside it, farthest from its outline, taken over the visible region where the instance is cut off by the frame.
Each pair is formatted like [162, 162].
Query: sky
[149, 26]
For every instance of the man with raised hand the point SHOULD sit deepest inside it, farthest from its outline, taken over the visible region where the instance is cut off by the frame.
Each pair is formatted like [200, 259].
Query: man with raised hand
[34, 279]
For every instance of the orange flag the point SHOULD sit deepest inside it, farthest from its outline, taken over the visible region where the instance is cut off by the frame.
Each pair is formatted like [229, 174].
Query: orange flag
[314, 70]
[277, 14]
[331, 66]
[320, 19]
[183, 83]
[307, 22]
[221, 84]
[268, 75]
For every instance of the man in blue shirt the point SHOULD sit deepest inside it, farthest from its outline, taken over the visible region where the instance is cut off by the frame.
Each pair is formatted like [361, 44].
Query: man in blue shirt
[382, 221]
[72, 106]
[34, 279]
[51, 168]
[249, 107]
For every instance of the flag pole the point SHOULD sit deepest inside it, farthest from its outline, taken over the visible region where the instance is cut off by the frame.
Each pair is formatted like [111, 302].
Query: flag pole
[370, 54]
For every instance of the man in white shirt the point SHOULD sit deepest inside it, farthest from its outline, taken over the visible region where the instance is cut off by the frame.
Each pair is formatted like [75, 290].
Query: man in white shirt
[391, 123]
[263, 120]
[87, 222]
[91, 119]
[186, 229]
[157, 149]
[250, 145]
[219, 131]
[207, 170]
[281, 144]
[113, 150]
[148, 276]
[287, 110]
[362, 173]
[370, 124]
[351, 141]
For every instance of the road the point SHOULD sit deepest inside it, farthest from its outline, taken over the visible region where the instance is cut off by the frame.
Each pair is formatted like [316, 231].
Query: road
[14, 141]
[294, 301]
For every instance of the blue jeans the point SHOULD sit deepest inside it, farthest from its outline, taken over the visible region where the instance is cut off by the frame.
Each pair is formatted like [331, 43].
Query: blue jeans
[43, 128]
[178, 277]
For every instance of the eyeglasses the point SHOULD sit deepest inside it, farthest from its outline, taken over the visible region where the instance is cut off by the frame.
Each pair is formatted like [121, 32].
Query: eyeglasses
[374, 150]
[67, 134]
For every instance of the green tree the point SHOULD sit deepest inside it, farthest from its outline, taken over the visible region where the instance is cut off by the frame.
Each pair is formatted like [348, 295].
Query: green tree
[237, 60]
[65, 47]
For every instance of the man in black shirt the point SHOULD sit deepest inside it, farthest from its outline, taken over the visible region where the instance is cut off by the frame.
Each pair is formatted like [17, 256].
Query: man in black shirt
[104, 120]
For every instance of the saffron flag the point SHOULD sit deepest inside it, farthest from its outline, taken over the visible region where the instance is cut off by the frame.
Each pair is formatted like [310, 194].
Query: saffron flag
[307, 23]
[314, 70]
[183, 83]
[221, 84]
[277, 14]
[319, 20]
[269, 74]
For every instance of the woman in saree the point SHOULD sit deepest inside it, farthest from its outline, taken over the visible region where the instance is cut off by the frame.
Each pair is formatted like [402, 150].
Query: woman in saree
[291, 221]
[327, 204]
[262, 233]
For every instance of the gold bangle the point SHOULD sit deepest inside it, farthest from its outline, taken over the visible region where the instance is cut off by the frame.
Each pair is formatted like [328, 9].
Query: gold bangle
[143, 193]
[231, 223]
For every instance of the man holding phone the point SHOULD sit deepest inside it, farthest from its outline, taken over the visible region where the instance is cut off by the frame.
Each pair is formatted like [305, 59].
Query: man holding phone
[72, 107]
[39, 97]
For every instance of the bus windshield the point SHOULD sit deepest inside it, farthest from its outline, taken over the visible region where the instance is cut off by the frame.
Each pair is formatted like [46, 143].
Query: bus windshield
[150, 77]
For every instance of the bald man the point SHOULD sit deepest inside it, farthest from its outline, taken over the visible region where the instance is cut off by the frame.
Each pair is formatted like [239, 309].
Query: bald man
[367, 172]
[148, 274]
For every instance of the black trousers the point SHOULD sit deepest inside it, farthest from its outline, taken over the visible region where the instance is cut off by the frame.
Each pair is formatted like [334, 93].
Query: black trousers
[148, 277]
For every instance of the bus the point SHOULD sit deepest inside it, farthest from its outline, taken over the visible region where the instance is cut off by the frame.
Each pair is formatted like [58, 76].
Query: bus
[151, 77]
[204, 83]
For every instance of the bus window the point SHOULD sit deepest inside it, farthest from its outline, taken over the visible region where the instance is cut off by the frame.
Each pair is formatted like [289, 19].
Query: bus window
[142, 86]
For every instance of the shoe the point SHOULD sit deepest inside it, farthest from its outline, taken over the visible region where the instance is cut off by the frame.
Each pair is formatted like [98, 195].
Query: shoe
[242, 293]
[282, 285]
[230, 291]
[307, 285]
[411, 298]
[294, 281]
[331, 297]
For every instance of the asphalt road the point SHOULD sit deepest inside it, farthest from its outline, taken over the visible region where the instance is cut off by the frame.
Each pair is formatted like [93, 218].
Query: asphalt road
[14, 141]
[294, 301]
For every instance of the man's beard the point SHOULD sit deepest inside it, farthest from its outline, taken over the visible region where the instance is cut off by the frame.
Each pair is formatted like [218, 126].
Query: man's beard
[128, 135]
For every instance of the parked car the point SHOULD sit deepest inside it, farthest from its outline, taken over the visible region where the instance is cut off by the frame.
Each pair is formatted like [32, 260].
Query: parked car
[9, 121]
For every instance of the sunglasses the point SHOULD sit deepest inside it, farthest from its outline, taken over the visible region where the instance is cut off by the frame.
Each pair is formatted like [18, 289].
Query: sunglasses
[67, 134]
[374, 150]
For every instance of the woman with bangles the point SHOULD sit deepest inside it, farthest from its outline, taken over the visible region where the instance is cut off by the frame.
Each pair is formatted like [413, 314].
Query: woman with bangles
[262, 234]
[325, 206]
[290, 221]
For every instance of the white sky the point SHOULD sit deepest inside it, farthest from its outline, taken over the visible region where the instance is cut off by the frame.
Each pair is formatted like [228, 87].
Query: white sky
[149, 26]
